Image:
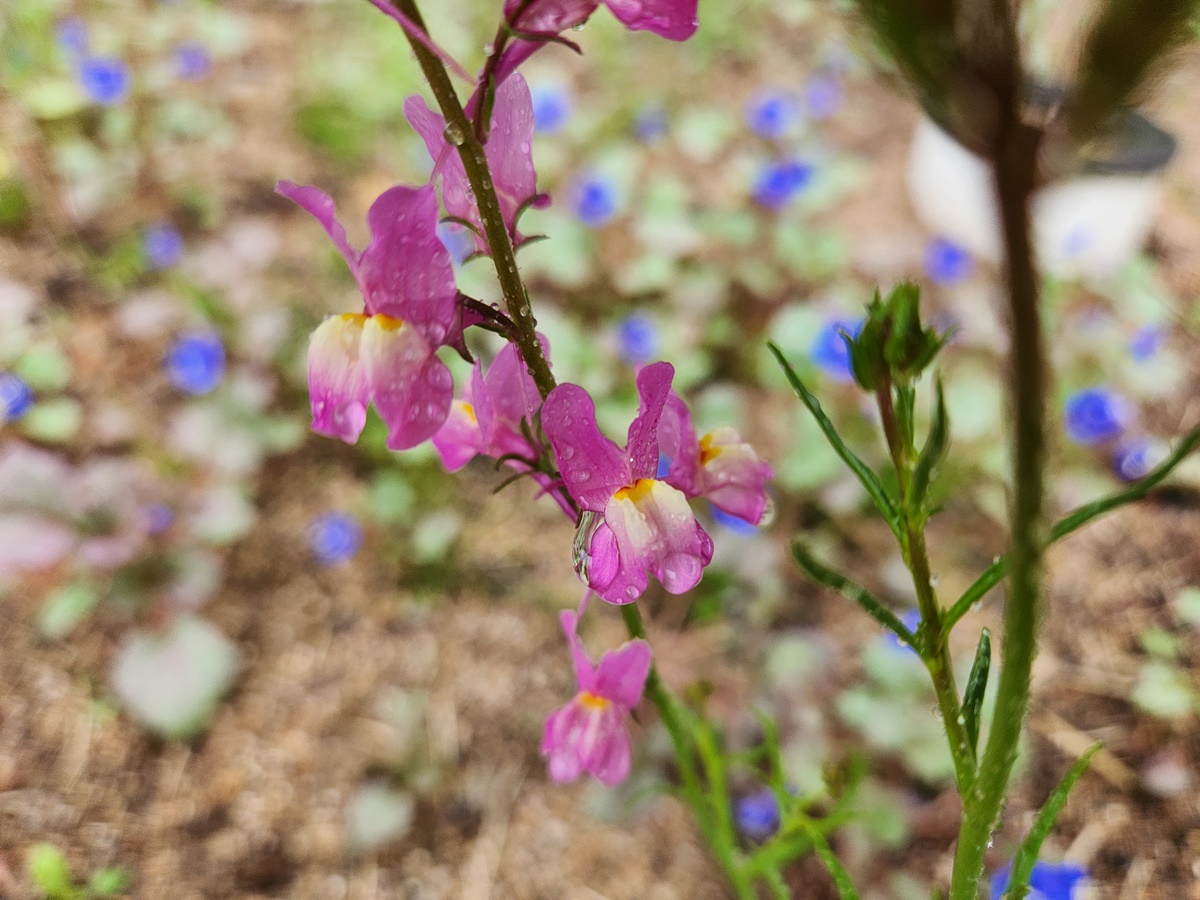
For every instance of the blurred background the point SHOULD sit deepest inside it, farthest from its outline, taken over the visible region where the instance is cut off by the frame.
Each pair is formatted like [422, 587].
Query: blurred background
[241, 660]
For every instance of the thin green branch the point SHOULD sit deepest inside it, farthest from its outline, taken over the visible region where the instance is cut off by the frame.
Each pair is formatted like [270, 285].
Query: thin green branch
[852, 591]
[1076, 519]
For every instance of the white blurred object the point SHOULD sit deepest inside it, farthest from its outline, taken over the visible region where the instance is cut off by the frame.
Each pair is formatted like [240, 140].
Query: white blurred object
[1088, 225]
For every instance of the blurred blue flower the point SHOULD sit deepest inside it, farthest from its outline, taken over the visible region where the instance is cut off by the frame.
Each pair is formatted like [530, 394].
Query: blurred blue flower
[757, 815]
[1134, 458]
[770, 113]
[829, 352]
[946, 262]
[595, 200]
[192, 61]
[1146, 342]
[162, 245]
[637, 338]
[1095, 415]
[1047, 881]
[778, 183]
[459, 240]
[1077, 240]
[104, 79]
[664, 466]
[334, 537]
[159, 517]
[195, 363]
[15, 397]
[551, 107]
[912, 620]
[734, 523]
[823, 96]
[650, 124]
[72, 36]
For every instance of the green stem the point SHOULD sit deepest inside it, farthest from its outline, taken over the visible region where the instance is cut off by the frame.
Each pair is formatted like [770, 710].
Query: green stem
[479, 175]
[1015, 158]
[934, 646]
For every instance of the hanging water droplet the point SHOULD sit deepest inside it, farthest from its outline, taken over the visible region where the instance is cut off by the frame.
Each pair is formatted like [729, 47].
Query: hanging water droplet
[937, 711]
[455, 134]
[768, 513]
[934, 578]
[578, 27]
[580, 558]
[489, 48]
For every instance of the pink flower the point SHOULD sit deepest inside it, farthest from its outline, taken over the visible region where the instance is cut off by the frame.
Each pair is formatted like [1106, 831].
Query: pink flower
[673, 19]
[719, 466]
[509, 152]
[633, 524]
[589, 734]
[385, 355]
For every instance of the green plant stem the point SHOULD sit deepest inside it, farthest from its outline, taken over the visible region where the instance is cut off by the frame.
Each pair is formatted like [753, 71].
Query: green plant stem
[1015, 159]
[934, 645]
[1076, 519]
[479, 175]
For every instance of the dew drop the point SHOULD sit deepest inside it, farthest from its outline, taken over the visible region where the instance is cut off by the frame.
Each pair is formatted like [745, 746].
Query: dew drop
[768, 514]
[455, 134]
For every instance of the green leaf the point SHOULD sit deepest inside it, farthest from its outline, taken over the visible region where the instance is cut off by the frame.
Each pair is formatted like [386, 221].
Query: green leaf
[110, 881]
[870, 481]
[933, 453]
[1027, 855]
[48, 870]
[66, 608]
[852, 591]
[977, 681]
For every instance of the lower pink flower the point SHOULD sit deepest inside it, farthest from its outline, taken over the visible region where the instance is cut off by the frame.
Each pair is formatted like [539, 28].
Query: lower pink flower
[590, 734]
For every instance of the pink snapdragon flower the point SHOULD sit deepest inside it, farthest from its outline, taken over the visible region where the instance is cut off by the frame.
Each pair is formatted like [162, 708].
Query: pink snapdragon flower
[509, 152]
[633, 524]
[542, 20]
[385, 354]
[590, 734]
[719, 466]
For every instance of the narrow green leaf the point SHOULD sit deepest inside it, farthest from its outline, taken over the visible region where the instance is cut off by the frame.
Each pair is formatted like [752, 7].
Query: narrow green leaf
[993, 574]
[976, 686]
[852, 591]
[841, 878]
[866, 476]
[1022, 866]
[933, 453]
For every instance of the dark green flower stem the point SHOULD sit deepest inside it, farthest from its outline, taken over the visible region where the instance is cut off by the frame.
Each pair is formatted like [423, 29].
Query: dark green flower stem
[934, 645]
[479, 175]
[1014, 155]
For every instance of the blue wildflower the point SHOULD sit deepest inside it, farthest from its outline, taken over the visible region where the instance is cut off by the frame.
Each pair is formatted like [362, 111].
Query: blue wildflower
[1133, 459]
[1047, 881]
[458, 239]
[595, 200]
[551, 107]
[771, 113]
[192, 61]
[1095, 415]
[822, 96]
[650, 124]
[637, 338]
[778, 183]
[736, 524]
[72, 36]
[1146, 342]
[757, 815]
[334, 537]
[159, 517]
[162, 245]
[105, 80]
[15, 397]
[912, 620]
[829, 351]
[195, 363]
[946, 262]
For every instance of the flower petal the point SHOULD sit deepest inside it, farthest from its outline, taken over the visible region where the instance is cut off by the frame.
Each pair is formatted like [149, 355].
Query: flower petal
[605, 748]
[321, 207]
[621, 675]
[548, 16]
[673, 19]
[405, 272]
[585, 672]
[654, 384]
[459, 439]
[412, 389]
[337, 379]
[592, 466]
[677, 440]
[509, 150]
[560, 741]
[456, 189]
[733, 477]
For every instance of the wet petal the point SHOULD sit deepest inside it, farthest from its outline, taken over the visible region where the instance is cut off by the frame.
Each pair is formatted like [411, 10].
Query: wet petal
[592, 466]
[459, 439]
[733, 477]
[321, 207]
[509, 150]
[412, 389]
[621, 675]
[337, 379]
[677, 441]
[548, 16]
[673, 19]
[456, 189]
[406, 272]
[654, 384]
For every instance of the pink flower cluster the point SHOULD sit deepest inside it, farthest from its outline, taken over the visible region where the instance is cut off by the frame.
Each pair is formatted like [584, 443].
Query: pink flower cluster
[632, 503]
